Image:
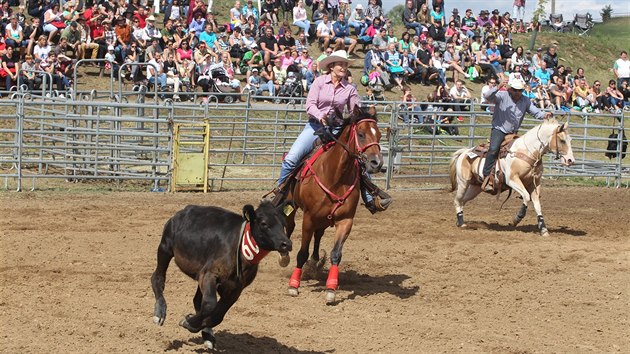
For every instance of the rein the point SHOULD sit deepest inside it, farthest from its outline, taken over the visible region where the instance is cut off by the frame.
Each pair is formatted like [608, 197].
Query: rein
[340, 200]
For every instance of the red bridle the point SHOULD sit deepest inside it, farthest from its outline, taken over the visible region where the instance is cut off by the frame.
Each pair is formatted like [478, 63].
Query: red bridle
[354, 135]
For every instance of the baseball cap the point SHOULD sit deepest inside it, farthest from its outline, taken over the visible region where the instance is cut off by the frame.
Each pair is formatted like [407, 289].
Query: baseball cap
[111, 47]
[254, 70]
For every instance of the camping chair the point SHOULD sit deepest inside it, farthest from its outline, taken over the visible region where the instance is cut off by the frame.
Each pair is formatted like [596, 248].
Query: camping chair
[556, 22]
[583, 24]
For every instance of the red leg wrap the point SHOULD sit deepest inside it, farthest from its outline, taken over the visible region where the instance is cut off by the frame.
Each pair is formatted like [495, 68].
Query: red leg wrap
[294, 282]
[333, 278]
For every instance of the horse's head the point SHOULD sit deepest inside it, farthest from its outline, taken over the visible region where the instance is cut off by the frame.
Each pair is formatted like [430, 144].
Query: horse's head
[367, 136]
[560, 144]
[268, 226]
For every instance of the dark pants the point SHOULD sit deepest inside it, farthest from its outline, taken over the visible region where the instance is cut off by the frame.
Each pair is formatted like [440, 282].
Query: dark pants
[496, 138]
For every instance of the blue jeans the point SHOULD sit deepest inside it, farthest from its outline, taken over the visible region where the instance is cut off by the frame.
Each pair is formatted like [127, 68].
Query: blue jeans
[302, 146]
[161, 80]
[268, 86]
[496, 138]
[305, 25]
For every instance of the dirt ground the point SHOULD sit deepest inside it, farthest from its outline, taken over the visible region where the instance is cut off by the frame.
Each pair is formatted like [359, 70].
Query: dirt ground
[75, 270]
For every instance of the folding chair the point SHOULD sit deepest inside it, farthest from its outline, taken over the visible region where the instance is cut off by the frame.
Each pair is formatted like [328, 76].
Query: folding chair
[582, 24]
[556, 22]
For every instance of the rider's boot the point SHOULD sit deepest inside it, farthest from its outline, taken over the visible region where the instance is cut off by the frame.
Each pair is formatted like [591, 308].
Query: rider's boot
[380, 201]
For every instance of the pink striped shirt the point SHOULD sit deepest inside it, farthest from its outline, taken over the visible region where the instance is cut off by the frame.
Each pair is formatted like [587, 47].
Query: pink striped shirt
[324, 97]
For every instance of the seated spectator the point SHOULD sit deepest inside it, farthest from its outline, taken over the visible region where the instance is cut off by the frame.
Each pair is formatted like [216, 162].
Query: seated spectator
[453, 62]
[357, 20]
[542, 75]
[506, 51]
[10, 68]
[518, 58]
[393, 64]
[311, 75]
[424, 63]
[424, 15]
[341, 35]
[625, 91]
[614, 98]
[543, 98]
[469, 24]
[111, 63]
[551, 58]
[452, 32]
[456, 18]
[300, 19]
[526, 74]
[437, 32]
[491, 83]
[286, 41]
[558, 93]
[318, 14]
[198, 24]
[270, 12]
[268, 76]
[72, 35]
[582, 97]
[155, 72]
[57, 70]
[374, 11]
[303, 62]
[53, 22]
[409, 17]
[460, 94]
[437, 16]
[438, 64]
[14, 36]
[269, 45]
[494, 56]
[252, 59]
[29, 78]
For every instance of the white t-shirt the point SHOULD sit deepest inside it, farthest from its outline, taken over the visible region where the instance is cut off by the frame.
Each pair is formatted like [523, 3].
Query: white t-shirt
[157, 66]
[324, 29]
[622, 67]
[41, 52]
[455, 93]
[484, 89]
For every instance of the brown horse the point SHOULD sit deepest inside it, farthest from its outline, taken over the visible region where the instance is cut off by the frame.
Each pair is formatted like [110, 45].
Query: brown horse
[328, 193]
[522, 167]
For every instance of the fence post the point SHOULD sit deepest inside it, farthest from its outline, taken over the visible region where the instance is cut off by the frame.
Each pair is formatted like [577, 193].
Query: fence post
[392, 146]
[20, 129]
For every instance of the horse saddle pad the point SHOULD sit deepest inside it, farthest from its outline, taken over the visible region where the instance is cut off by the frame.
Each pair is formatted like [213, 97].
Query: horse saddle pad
[482, 149]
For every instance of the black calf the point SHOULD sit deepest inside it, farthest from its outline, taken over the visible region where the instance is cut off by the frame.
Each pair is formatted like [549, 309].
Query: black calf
[216, 247]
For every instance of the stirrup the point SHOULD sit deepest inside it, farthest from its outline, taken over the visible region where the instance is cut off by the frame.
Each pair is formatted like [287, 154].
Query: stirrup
[488, 184]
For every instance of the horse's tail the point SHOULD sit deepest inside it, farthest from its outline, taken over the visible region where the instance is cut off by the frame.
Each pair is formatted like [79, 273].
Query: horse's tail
[452, 168]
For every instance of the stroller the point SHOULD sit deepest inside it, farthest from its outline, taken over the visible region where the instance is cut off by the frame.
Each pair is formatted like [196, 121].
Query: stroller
[292, 87]
[220, 85]
[375, 87]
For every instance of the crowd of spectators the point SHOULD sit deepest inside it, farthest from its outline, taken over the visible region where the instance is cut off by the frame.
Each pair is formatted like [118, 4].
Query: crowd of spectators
[269, 50]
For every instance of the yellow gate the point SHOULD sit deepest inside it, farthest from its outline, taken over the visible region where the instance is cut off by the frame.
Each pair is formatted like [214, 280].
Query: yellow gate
[190, 157]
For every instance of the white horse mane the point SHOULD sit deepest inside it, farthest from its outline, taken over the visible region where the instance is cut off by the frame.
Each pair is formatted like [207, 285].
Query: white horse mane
[537, 138]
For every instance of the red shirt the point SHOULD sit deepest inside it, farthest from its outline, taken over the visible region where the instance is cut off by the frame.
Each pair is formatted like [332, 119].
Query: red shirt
[96, 30]
[142, 20]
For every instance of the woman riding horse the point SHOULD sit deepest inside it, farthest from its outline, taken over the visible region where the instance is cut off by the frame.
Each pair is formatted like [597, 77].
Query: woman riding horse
[510, 108]
[329, 93]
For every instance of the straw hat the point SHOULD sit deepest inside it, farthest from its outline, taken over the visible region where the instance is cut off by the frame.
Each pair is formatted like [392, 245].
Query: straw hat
[334, 57]
[151, 18]
[517, 84]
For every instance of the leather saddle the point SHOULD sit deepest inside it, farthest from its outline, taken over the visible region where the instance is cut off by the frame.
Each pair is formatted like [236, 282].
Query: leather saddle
[481, 150]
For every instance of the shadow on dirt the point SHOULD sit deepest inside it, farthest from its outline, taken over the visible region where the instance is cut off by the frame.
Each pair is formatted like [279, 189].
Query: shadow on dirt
[531, 228]
[238, 343]
[366, 284]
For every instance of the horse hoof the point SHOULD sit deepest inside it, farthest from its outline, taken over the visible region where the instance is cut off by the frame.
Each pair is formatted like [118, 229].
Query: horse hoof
[158, 320]
[293, 292]
[544, 233]
[284, 260]
[330, 297]
[210, 345]
[464, 225]
[184, 323]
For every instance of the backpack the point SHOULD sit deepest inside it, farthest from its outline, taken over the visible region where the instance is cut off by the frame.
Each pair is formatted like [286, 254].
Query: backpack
[612, 148]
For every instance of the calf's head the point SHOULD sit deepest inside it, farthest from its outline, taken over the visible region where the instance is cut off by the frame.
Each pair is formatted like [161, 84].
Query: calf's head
[268, 226]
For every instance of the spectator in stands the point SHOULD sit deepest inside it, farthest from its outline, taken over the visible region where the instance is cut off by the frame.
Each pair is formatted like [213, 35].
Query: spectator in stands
[301, 43]
[14, 36]
[625, 91]
[542, 75]
[424, 15]
[491, 83]
[469, 24]
[460, 95]
[518, 58]
[357, 20]
[558, 92]
[393, 64]
[519, 14]
[424, 63]
[53, 22]
[582, 97]
[543, 99]
[621, 68]
[438, 33]
[300, 19]
[483, 20]
[123, 37]
[153, 49]
[455, 18]
[268, 76]
[36, 8]
[155, 72]
[31, 33]
[287, 41]
[10, 67]
[29, 78]
[311, 75]
[409, 17]
[494, 56]
[304, 62]
[506, 51]
[615, 99]
[269, 46]
[236, 18]
[526, 74]
[600, 100]
[249, 10]
[72, 35]
[171, 69]
[258, 85]
[440, 68]
[341, 35]
[56, 70]
[551, 58]
[373, 11]
[42, 48]
[270, 12]
[318, 14]
[453, 62]
[198, 24]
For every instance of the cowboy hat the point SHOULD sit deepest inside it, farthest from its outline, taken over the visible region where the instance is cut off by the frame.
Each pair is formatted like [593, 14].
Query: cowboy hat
[334, 57]
[517, 84]
[151, 18]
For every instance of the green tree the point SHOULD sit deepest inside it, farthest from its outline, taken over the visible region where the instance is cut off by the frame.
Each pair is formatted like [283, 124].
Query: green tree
[395, 14]
[606, 13]
[539, 13]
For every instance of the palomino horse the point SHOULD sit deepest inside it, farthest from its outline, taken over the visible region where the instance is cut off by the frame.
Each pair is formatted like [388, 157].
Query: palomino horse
[328, 193]
[522, 168]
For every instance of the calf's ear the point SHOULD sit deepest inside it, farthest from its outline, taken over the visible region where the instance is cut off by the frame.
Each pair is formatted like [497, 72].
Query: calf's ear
[249, 213]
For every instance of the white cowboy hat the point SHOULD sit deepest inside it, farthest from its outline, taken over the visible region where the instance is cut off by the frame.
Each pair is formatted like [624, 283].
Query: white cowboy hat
[517, 84]
[334, 57]
[151, 18]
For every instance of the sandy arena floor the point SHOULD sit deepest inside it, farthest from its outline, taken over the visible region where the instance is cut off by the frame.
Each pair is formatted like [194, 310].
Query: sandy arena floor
[75, 278]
